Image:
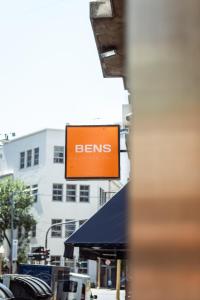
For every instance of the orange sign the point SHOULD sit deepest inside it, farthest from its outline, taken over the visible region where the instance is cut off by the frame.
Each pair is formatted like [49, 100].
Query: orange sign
[92, 152]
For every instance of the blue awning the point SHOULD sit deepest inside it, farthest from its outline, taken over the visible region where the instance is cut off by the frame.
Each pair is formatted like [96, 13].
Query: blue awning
[105, 233]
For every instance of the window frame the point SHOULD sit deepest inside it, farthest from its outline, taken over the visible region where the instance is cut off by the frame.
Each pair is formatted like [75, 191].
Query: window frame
[36, 156]
[55, 262]
[84, 191]
[20, 160]
[34, 192]
[56, 232]
[69, 263]
[29, 158]
[58, 155]
[102, 197]
[68, 231]
[54, 189]
[82, 266]
[81, 222]
[69, 190]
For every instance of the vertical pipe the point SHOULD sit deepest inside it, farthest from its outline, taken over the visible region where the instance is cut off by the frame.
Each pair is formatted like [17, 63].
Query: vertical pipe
[11, 232]
[98, 273]
[118, 276]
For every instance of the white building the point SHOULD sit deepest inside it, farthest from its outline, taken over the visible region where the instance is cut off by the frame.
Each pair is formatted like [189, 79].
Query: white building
[38, 160]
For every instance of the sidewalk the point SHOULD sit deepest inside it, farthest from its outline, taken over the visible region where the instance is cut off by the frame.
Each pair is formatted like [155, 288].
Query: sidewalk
[106, 294]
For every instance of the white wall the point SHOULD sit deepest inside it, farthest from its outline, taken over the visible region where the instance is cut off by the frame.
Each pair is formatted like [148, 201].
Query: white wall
[45, 174]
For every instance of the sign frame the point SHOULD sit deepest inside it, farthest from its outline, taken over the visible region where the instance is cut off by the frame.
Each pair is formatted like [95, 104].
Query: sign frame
[92, 177]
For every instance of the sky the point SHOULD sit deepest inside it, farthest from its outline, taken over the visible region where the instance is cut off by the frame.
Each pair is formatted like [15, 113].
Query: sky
[50, 73]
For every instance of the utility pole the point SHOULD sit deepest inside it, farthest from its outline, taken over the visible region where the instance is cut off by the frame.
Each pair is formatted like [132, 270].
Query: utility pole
[98, 272]
[118, 276]
[11, 232]
[56, 224]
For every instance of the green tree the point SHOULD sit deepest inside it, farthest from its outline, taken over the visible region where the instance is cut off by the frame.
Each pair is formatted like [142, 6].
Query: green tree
[15, 191]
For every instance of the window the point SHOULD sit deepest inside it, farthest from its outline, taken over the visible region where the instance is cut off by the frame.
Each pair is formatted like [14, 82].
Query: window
[84, 193]
[69, 228]
[22, 160]
[33, 231]
[56, 231]
[28, 190]
[57, 192]
[69, 263]
[71, 193]
[82, 266]
[55, 260]
[29, 158]
[58, 154]
[36, 156]
[35, 192]
[70, 286]
[81, 222]
[102, 197]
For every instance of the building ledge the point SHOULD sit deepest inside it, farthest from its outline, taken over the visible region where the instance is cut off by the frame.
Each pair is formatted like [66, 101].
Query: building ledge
[101, 9]
[107, 19]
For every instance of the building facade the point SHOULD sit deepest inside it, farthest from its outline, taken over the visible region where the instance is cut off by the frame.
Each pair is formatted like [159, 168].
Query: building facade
[38, 160]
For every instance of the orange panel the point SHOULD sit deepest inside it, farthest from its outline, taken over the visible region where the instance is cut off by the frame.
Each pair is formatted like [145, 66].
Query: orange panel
[92, 152]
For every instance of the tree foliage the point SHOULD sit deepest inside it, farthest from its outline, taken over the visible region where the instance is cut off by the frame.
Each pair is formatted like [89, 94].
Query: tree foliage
[15, 191]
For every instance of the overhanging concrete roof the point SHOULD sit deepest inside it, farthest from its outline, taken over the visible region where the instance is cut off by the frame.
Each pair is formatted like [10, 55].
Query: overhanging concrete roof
[107, 19]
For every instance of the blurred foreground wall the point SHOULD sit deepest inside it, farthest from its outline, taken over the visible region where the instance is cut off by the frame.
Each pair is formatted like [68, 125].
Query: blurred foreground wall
[163, 44]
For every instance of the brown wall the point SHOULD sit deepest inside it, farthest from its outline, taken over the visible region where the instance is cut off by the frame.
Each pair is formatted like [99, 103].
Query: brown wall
[163, 45]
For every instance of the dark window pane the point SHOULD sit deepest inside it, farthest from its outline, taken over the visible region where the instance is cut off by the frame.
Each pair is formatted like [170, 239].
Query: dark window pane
[56, 230]
[71, 192]
[36, 156]
[84, 193]
[29, 158]
[58, 154]
[22, 160]
[57, 192]
[70, 227]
